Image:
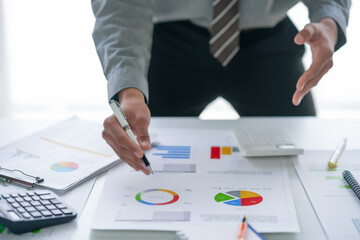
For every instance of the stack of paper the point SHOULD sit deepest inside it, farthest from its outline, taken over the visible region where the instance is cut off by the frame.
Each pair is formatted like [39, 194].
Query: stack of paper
[65, 155]
[335, 203]
[200, 179]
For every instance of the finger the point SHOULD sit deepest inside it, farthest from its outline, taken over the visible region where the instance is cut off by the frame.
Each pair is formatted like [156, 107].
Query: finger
[143, 169]
[308, 33]
[130, 159]
[299, 94]
[140, 127]
[321, 58]
[123, 153]
[129, 155]
[112, 126]
[317, 78]
[144, 138]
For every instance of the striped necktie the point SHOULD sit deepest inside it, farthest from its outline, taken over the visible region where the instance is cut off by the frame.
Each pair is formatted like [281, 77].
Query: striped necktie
[224, 42]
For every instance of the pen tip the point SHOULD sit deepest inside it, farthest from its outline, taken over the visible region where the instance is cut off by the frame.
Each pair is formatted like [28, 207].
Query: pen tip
[150, 169]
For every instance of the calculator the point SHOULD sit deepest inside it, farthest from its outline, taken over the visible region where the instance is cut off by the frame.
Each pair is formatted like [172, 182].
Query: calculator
[27, 211]
[266, 142]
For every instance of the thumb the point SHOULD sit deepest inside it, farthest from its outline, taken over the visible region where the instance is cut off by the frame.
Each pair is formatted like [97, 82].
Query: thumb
[307, 34]
[144, 138]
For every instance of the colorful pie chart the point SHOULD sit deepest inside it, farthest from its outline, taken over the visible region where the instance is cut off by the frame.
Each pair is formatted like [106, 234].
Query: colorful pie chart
[239, 198]
[64, 167]
[157, 197]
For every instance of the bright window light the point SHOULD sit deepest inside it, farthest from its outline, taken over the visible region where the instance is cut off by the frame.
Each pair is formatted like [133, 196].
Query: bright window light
[53, 70]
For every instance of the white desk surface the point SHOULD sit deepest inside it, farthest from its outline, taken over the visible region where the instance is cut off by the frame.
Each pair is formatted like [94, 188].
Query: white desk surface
[307, 132]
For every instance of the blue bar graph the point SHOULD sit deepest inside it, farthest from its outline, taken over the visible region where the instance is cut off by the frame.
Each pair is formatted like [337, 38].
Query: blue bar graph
[180, 152]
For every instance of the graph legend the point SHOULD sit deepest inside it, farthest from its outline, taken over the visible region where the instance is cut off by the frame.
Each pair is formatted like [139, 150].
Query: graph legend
[216, 152]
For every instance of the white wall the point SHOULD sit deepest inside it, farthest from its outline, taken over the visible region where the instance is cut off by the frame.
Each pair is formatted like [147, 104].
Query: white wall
[4, 91]
[54, 71]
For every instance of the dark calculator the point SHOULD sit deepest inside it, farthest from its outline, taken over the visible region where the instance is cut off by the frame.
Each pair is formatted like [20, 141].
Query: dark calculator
[31, 210]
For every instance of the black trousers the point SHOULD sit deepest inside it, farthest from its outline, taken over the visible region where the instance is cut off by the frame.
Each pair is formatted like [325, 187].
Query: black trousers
[259, 81]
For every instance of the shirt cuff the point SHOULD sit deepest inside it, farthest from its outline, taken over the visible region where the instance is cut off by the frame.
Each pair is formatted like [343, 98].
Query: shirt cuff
[338, 14]
[121, 78]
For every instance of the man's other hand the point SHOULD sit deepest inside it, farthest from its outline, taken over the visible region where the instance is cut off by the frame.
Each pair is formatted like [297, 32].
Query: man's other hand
[321, 37]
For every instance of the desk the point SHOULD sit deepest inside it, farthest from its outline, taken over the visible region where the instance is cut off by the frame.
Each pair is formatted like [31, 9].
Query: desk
[307, 132]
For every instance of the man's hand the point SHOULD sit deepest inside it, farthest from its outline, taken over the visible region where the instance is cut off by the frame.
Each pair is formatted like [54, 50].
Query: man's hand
[322, 38]
[138, 117]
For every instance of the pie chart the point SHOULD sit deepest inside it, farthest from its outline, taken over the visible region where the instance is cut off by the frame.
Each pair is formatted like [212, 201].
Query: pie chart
[239, 198]
[64, 167]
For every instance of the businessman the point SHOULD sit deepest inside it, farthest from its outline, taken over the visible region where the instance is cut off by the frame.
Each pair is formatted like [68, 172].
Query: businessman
[173, 57]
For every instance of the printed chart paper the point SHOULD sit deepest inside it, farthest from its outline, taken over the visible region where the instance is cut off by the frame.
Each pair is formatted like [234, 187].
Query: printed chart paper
[334, 201]
[65, 154]
[200, 179]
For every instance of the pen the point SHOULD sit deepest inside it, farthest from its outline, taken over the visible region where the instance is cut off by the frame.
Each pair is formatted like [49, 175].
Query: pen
[335, 158]
[256, 232]
[120, 115]
[243, 228]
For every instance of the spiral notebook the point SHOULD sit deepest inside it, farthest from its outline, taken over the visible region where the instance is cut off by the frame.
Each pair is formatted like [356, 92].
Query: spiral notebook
[353, 183]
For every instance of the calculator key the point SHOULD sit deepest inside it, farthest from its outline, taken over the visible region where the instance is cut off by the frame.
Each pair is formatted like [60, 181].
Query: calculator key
[55, 201]
[66, 211]
[39, 193]
[22, 194]
[5, 195]
[15, 205]
[14, 195]
[35, 198]
[60, 206]
[21, 210]
[30, 194]
[36, 214]
[30, 209]
[19, 199]
[26, 215]
[28, 199]
[56, 212]
[25, 204]
[46, 213]
[40, 208]
[46, 197]
[45, 202]
[35, 203]
[10, 200]
[51, 207]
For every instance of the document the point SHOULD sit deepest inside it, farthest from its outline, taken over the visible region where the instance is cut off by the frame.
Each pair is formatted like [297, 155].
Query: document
[200, 179]
[222, 232]
[64, 155]
[334, 201]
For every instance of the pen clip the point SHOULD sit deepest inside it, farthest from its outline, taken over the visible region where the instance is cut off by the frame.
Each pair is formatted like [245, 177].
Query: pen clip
[120, 108]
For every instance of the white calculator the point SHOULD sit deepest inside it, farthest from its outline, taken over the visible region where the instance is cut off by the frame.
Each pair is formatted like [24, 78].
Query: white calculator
[256, 142]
